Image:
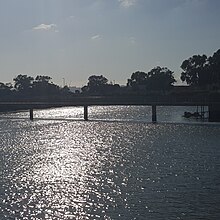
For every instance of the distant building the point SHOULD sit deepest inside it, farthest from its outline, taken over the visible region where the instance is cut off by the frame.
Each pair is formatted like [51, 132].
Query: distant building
[75, 89]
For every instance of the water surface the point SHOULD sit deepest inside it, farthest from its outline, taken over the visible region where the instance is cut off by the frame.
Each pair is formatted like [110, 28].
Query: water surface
[128, 169]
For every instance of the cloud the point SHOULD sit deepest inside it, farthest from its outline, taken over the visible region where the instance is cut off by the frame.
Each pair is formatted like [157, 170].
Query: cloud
[46, 27]
[96, 37]
[127, 3]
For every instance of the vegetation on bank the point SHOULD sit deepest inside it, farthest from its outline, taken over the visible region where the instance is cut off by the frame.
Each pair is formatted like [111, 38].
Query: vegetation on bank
[200, 72]
[29, 88]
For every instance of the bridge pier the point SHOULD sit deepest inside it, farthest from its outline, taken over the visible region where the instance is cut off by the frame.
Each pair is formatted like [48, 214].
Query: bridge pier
[86, 112]
[31, 114]
[214, 113]
[154, 113]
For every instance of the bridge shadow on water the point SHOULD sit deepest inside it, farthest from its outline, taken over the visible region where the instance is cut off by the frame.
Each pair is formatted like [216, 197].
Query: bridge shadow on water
[130, 121]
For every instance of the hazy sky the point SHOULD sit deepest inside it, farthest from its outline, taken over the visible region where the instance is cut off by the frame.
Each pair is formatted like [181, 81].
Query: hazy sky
[73, 39]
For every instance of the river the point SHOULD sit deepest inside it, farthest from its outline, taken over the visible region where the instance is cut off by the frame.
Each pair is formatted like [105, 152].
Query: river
[118, 165]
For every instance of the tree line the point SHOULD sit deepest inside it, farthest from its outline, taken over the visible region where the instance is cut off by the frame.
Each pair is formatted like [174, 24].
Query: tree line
[198, 71]
[26, 87]
[158, 79]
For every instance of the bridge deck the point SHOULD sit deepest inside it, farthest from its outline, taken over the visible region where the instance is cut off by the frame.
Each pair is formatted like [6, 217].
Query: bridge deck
[110, 103]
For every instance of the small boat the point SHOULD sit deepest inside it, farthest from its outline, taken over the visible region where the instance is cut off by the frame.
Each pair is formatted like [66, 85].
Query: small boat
[189, 115]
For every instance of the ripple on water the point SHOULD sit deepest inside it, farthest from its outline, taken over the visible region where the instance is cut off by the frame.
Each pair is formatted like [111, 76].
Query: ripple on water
[98, 170]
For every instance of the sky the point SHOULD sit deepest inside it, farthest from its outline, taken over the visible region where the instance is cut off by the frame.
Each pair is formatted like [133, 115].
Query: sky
[70, 40]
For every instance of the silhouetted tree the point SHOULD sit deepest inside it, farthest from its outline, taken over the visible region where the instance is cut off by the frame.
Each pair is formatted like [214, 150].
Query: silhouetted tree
[43, 79]
[160, 78]
[23, 83]
[5, 86]
[5, 90]
[214, 68]
[195, 71]
[96, 84]
[137, 78]
[96, 81]
[157, 79]
[43, 87]
[85, 89]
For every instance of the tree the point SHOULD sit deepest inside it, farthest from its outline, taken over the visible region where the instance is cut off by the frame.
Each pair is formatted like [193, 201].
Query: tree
[195, 71]
[96, 81]
[23, 83]
[137, 78]
[157, 79]
[160, 78]
[5, 89]
[5, 86]
[43, 79]
[214, 68]
[85, 89]
[96, 84]
[43, 87]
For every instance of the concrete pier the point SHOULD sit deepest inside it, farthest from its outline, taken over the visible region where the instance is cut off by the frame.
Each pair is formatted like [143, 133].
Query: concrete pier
[85, 112]
[214, 113]
[154, 113]
[31, 114]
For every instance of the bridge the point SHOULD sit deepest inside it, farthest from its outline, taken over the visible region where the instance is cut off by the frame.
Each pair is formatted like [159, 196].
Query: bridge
[85, 102]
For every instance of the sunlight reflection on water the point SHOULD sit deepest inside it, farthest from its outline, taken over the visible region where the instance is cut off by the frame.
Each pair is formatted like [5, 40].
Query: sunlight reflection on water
[97, 170]
[113, 113]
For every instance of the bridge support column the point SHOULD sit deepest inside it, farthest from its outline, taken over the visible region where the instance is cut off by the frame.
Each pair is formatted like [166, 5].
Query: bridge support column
[214, 113]
[154, 113]
[85, 112]
[31, 114]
